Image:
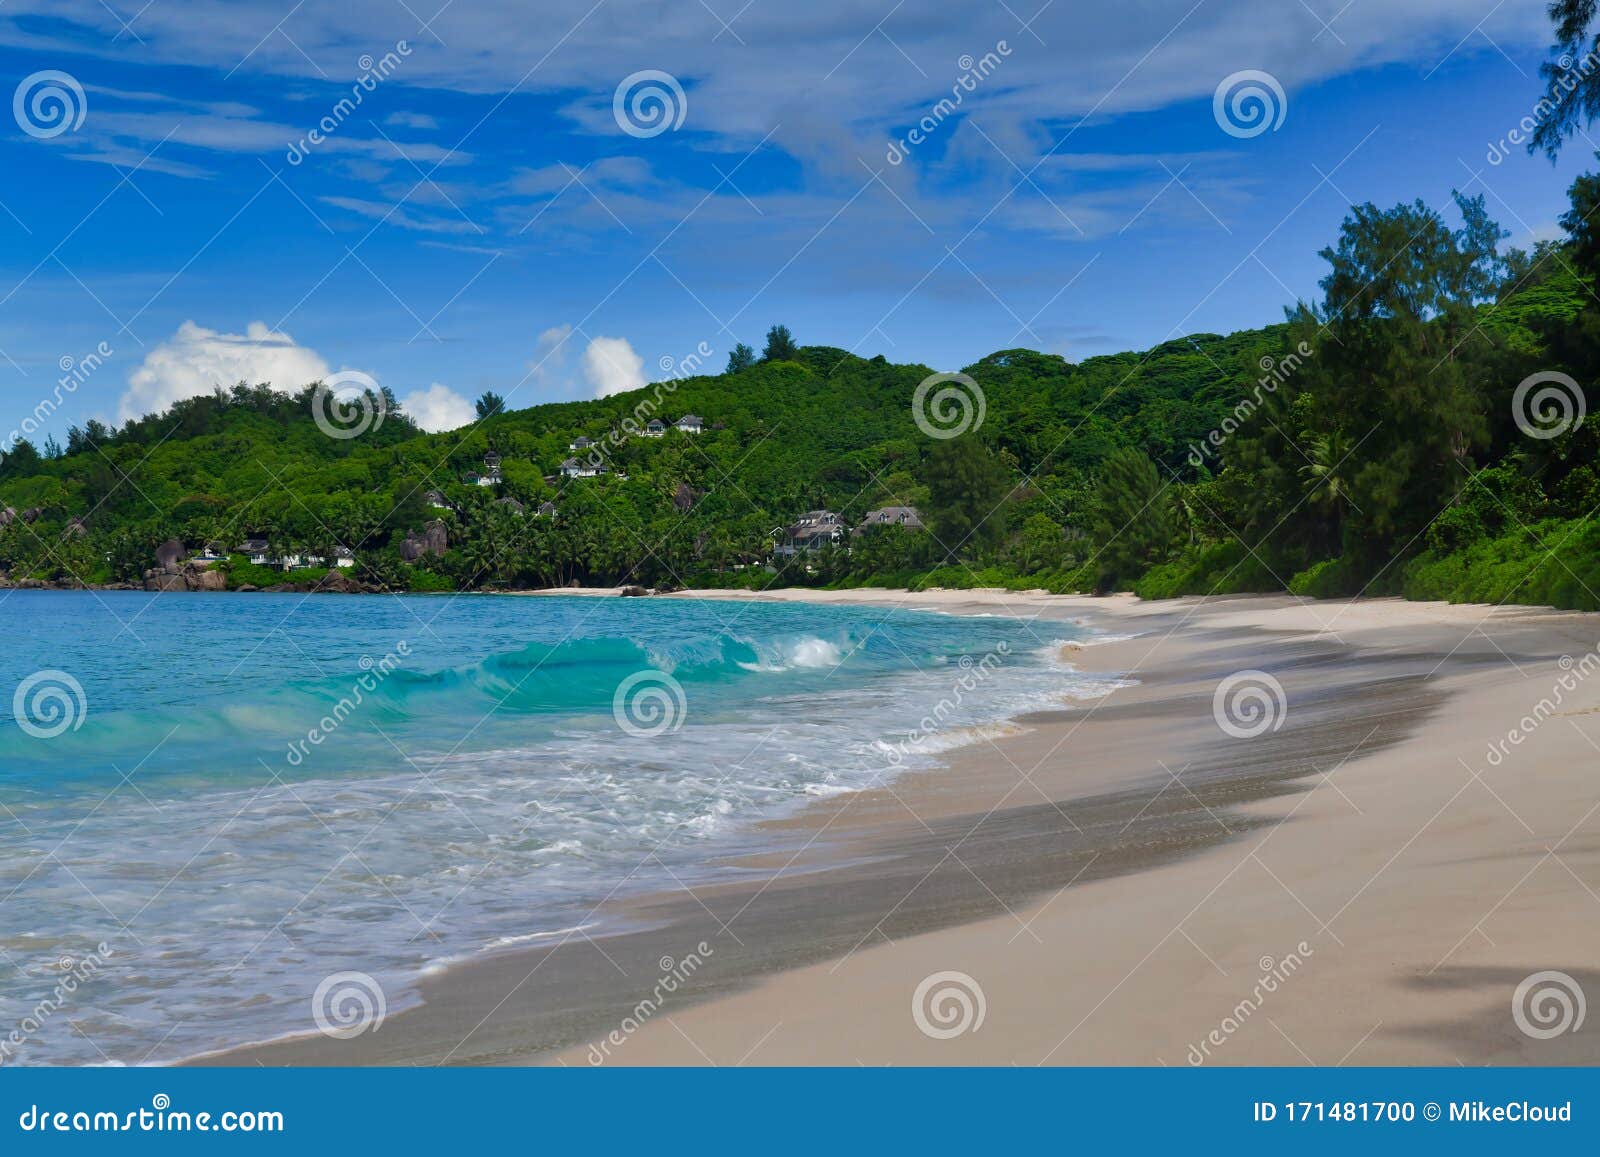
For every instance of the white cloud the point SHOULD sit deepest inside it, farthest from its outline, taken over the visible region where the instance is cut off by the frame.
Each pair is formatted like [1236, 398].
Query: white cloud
[438, 408]
[195, 360]
[411, 120]
[611, 366]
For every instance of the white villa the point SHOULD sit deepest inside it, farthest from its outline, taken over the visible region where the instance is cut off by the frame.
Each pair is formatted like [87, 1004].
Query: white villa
[689, 424]
[575, 468]
[655, 428]
[580, 443]
[491, 470]
[813, 530]
[257, 549]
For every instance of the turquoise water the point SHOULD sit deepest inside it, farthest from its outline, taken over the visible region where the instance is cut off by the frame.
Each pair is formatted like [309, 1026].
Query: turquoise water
[239, 796]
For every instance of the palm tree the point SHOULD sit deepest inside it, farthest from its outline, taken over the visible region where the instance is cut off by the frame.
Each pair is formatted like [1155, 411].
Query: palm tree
[1326, 476]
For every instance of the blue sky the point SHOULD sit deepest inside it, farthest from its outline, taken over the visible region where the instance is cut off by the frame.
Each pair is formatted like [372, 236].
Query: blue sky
[484, 220]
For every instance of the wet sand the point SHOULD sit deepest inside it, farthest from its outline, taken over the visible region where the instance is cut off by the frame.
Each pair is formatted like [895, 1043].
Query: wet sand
[1122, 881]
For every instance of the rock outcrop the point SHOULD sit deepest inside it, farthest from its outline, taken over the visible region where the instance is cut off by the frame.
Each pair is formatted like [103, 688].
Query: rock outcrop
[433, 540]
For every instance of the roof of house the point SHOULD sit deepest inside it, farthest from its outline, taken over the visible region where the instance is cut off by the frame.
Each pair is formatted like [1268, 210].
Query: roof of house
[893, 516]
[690, 420]
[815, 524]
[581, 441]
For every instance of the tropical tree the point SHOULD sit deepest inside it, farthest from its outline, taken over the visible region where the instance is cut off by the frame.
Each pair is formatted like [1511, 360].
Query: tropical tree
[1133, 518]
[780, 345]
[967, 489]
[1572, 81]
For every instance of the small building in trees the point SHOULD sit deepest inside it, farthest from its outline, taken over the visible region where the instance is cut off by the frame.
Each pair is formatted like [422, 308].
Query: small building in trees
[905, 516]
[578, 468]
[812, 531]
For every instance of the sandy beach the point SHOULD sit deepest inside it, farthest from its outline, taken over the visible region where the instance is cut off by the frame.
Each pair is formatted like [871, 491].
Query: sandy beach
[1361, 872]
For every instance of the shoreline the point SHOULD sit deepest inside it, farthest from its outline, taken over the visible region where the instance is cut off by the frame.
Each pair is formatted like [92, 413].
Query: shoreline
[1083, 864]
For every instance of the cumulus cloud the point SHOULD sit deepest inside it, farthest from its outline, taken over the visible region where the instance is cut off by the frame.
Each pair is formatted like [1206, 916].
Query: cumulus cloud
[611, 366]
[195, 360]
[438, 408]
[550, 356]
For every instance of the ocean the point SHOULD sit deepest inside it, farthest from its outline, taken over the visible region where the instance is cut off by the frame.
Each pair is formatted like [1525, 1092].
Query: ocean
[209, 804]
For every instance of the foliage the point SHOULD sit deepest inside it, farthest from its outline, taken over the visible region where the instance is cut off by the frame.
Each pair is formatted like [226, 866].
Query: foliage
[780, 346]
[1367, 444]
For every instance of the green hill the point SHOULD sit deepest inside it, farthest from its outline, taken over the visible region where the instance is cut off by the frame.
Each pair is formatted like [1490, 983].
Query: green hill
[1369, 442]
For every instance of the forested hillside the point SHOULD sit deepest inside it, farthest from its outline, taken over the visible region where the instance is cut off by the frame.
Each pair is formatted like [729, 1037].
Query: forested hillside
[1418, 430]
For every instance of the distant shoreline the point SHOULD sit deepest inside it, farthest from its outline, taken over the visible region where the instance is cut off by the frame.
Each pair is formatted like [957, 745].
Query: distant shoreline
[1126, 940]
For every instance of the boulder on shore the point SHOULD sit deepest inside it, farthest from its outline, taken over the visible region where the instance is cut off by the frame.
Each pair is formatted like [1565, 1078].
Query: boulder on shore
[168, 554]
